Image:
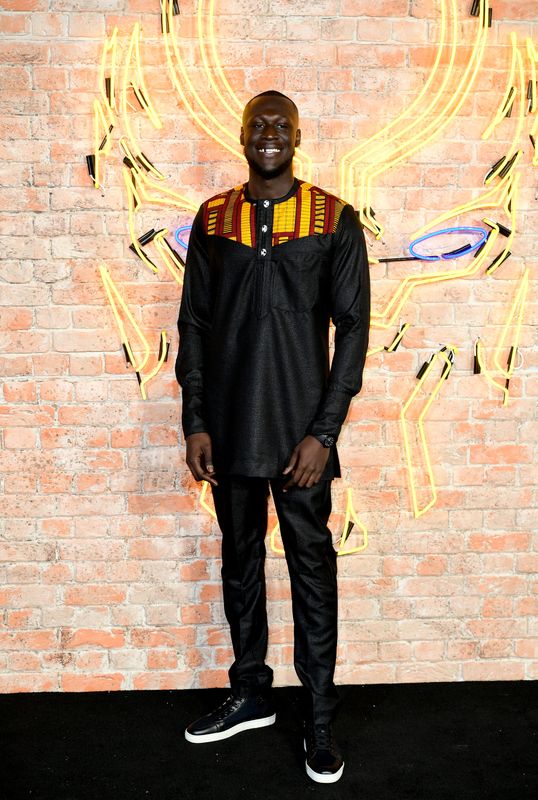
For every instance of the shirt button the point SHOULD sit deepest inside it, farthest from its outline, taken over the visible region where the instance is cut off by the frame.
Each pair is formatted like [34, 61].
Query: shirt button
[266, 203]
[264, 228]
[263, 252]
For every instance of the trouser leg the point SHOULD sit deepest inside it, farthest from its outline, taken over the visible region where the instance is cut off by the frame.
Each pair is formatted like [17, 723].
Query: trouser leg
[241, 508]
[303, 515]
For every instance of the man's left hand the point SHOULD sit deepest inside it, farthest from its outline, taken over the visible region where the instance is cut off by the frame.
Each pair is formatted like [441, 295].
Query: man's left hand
[307, 463]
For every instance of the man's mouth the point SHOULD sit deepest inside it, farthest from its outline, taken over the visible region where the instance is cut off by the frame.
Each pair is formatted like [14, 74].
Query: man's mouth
[269, 150]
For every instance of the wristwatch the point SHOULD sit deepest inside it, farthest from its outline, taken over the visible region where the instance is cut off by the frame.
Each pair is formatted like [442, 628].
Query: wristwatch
[326, 439]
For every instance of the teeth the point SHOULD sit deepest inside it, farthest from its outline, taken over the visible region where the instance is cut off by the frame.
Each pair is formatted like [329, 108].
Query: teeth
[269, 150]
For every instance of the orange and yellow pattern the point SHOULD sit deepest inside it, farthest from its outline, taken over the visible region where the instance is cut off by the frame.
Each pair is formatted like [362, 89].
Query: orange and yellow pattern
[310, 211]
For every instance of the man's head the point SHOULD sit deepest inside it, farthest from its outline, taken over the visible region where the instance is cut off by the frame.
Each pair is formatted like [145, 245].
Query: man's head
[270, 133]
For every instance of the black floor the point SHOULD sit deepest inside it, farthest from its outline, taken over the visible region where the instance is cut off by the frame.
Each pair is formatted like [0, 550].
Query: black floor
[416, 741]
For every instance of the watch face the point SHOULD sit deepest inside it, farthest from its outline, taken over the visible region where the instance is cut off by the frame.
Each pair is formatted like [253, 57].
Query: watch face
[329, 441]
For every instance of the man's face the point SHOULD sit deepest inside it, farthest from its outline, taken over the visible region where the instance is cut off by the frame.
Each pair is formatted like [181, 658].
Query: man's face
[269, 135]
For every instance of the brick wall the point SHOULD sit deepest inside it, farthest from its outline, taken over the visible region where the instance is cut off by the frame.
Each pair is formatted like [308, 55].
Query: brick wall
[110, 570]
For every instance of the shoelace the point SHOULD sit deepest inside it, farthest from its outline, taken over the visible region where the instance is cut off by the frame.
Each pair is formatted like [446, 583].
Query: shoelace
[319, 737]
[230, 704]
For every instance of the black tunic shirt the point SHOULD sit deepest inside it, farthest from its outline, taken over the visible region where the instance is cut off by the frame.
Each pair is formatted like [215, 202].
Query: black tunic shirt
[263, 280]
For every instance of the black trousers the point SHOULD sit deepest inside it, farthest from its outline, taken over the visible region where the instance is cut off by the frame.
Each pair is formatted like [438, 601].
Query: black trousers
[241, 508]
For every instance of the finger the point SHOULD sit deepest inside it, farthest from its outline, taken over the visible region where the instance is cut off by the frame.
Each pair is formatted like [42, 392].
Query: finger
[313, 480]
[208, 458]
[197, 463]
[196, 468]
[209, 464]
[299, 477]
[292, 463]
[208, 470]
[305, 478]
[292, 482]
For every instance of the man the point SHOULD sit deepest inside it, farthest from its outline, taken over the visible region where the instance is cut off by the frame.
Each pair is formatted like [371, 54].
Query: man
[269, 264]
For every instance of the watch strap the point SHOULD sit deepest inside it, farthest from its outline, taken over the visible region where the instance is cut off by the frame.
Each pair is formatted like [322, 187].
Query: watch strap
[326, 439]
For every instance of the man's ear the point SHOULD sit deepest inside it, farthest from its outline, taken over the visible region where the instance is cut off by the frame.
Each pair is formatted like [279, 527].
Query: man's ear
[298, 137]
[242, 137]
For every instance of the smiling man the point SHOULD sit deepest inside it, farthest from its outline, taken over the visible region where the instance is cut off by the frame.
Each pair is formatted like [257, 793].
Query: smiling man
[269, 264]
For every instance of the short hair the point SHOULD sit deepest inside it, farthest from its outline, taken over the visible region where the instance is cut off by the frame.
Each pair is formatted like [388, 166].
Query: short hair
[273, 92]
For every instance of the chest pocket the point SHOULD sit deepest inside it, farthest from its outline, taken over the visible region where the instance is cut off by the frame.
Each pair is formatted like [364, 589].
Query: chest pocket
[297, 283]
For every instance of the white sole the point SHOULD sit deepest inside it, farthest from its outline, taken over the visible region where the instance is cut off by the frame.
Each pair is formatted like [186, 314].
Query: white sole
[321, 777]
[241, 726]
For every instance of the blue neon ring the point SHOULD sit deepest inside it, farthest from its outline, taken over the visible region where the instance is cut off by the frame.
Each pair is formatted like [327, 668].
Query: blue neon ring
[483, 234]
[178, 233]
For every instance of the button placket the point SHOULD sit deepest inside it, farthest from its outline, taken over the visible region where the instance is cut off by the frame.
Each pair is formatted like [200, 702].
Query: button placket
[264, 229]
[264, 226]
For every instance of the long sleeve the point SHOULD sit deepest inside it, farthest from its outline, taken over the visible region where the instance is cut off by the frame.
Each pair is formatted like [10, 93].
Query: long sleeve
[350, 312]
[194, 324]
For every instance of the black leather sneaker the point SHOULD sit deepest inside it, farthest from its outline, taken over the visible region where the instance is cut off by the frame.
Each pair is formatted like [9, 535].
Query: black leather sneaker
[324, 762]
[236, 714]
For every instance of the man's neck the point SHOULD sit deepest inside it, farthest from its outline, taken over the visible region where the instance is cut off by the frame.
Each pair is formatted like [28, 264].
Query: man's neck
[269, 189]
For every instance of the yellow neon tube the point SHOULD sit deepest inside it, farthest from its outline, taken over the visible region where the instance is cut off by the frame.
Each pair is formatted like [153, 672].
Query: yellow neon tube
[374, 351]
[168, 257]
[131, 196]
[144, 181]
[351, 517]
[342, 550]
[140, 88]
[393, 345]
[378, 319]
[160, 361]
[109, 56]
[202, 42]
[516, 311]
[345, 175]
[124, 105]
[396, 341]
[272, 541]
[101, 139]
[493, 198]
[304, 162]
[134, 200]
[133, 182]
[486, 373]
[532, 53]
[504, 193]
[445, 116]
[217, 62]
[521, 114]
[135, 165]
[510, 208]
[172, 197]
[115, 300]
[534, 134]
[508, 97]
[171, 46]
[419, 510]
[450, 110]
[416, 121]
[203, 502]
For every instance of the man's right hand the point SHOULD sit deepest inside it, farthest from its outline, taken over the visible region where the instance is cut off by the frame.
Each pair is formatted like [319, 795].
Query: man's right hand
[199, 458]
